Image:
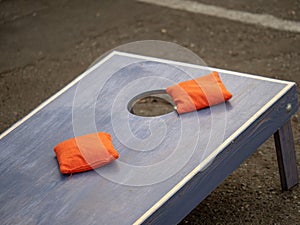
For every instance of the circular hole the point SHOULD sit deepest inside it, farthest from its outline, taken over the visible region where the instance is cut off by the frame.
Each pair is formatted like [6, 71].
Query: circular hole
[153, 103]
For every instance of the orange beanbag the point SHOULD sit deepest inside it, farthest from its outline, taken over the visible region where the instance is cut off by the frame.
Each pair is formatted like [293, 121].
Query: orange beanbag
[199, 93]
[85, 152]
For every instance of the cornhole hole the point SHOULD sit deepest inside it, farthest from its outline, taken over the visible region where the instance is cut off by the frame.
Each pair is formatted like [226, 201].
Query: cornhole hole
[168, 164]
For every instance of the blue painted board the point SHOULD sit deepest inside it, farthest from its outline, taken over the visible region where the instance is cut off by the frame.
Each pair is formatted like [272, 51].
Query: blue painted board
[158, 155]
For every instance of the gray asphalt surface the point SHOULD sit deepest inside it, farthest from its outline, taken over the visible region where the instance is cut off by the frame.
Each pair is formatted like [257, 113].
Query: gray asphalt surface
[46, 44]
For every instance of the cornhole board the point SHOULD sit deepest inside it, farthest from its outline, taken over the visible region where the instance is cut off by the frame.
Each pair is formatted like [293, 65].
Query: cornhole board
[168, 164]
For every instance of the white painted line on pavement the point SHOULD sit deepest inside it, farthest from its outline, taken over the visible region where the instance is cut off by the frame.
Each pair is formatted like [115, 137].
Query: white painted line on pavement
[240, 16]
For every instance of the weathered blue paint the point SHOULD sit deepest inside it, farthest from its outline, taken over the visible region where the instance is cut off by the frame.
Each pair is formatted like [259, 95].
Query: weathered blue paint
[34, 192]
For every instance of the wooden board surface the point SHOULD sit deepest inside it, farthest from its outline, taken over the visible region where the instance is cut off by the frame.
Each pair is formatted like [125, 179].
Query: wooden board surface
[158, 155]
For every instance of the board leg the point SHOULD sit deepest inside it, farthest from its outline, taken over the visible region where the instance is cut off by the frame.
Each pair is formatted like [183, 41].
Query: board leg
[286, 157]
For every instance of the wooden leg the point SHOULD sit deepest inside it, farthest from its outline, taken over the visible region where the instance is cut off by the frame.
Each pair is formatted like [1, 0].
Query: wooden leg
[286, 157]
